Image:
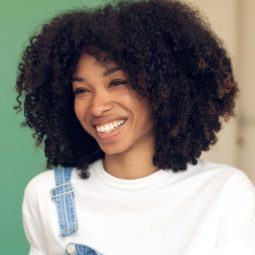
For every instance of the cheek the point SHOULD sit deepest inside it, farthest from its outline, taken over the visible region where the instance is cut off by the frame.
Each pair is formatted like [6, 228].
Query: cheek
[79, 110]
[144, 108]
[145, 115]
[76, 109]
[140, 116]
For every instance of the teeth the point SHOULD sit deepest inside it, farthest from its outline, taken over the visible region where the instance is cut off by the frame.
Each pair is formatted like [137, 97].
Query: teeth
[109, 126]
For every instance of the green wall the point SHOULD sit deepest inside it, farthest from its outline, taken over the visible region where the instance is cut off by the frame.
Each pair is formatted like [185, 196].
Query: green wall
[20, 160]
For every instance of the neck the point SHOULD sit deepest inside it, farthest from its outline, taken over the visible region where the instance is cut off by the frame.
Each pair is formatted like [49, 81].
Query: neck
[132, 164]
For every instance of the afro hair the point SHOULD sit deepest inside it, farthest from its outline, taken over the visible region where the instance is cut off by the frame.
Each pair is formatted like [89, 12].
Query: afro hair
[187, 73]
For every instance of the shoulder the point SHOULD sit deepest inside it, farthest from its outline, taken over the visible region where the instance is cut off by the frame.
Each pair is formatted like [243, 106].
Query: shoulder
[235, 204]
[220, 178]
[223, 171]
[37, 190]
[44, 182]
[40, 183]
[235, 183]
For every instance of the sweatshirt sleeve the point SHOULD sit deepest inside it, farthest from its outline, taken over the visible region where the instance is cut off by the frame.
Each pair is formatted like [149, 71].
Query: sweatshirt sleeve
[237, 226]
[32, 221]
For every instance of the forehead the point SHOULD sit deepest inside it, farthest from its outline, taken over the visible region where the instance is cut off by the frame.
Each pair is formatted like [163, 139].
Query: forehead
[88, 64]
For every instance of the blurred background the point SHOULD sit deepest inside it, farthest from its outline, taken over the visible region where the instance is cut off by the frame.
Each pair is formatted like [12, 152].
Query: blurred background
[232, 20]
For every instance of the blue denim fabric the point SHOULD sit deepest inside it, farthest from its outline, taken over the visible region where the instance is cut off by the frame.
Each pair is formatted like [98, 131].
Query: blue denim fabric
[81, 249]
[63, 196]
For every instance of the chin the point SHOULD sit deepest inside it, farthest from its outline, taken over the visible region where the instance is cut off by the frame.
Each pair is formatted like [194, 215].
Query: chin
[112, 150]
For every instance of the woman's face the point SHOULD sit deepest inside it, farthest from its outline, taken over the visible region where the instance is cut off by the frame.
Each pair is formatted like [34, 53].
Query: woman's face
[104, 99]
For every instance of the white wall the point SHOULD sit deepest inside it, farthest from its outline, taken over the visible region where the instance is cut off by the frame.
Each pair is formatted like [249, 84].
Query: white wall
[234, 22]
[247, 80]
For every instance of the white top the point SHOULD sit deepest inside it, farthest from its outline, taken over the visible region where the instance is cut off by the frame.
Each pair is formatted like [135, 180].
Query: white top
[207, 209]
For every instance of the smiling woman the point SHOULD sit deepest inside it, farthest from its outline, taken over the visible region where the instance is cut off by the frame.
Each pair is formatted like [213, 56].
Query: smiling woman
[100, 105]
[125, 97]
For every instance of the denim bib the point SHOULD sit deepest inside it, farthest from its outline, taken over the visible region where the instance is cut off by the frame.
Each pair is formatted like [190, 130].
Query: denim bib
[63, 196]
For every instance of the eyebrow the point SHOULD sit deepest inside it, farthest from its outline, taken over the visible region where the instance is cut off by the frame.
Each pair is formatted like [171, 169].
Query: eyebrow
[111, 70]
[105, 73]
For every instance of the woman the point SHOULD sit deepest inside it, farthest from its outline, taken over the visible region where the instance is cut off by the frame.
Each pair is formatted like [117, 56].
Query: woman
[125, 98]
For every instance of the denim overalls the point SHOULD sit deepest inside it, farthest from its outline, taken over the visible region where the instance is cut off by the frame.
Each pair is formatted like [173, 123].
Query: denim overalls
[63, 196]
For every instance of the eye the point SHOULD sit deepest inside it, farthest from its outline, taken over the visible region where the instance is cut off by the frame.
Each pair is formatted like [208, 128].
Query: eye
[118, 82]
[79, 91]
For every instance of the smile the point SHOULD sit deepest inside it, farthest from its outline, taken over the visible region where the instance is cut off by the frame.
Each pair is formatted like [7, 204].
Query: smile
[107, 128]
[107, 134]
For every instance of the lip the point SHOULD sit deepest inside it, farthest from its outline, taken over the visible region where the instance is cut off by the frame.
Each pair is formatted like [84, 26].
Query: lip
[106, 138]
[105, 120]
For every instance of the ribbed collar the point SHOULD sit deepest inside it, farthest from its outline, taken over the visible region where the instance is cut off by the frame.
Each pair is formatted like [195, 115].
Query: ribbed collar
[152, 181]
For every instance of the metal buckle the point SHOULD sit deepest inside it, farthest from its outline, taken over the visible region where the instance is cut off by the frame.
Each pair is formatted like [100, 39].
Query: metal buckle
[53, 196]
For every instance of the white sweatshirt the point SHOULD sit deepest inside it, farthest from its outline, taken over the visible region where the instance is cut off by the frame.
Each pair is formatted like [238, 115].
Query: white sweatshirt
[207, 209]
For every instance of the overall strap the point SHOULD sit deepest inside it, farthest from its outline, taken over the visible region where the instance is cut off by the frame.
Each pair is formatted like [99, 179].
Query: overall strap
[63, 196]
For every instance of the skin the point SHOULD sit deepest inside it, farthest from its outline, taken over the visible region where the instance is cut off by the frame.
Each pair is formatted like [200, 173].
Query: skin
[129, 154]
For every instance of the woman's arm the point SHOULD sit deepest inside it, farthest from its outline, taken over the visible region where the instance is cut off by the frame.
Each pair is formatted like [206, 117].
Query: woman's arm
[32, 221]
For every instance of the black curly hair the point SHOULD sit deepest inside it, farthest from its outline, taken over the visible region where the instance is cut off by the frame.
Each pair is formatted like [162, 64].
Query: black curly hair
[188, 78]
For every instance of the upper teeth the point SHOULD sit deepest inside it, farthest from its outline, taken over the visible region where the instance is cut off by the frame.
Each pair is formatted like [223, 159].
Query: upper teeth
[109, 126]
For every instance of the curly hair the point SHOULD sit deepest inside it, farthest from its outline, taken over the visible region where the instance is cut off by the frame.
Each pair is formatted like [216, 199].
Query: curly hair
[188, 78]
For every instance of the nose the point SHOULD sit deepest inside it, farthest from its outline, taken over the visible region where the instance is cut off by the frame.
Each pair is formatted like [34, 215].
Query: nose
[100, 103]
